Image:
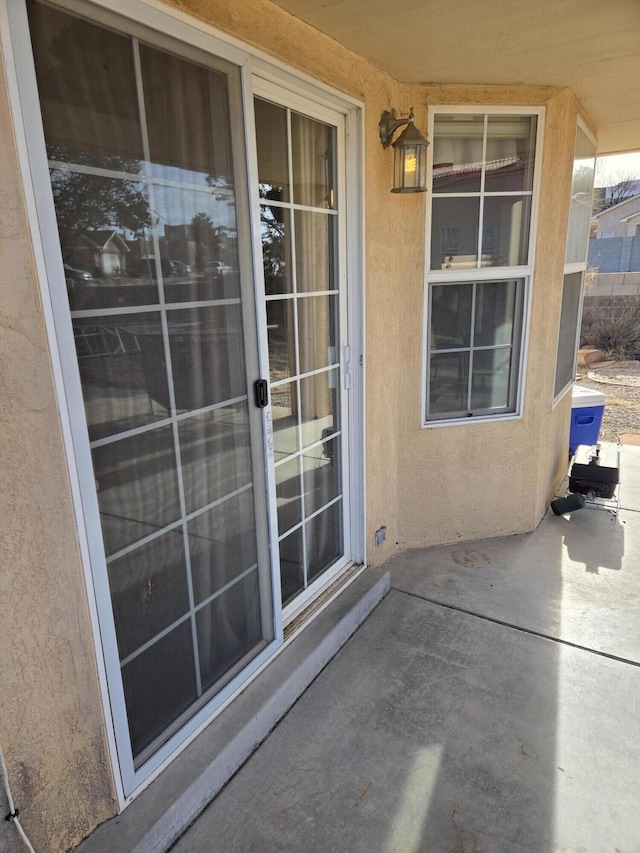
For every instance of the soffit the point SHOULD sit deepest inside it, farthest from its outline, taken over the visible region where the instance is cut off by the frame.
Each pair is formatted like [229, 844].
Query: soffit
[590, 46]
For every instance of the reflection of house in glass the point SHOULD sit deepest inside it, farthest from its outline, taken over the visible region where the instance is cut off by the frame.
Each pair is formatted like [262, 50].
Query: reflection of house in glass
[102, 252]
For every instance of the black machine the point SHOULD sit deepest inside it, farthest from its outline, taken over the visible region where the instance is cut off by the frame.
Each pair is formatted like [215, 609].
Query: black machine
[595, 471]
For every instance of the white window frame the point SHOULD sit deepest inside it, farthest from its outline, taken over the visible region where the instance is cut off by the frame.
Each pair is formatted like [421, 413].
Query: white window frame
[480, 274]
[168, 25]
[569, 268]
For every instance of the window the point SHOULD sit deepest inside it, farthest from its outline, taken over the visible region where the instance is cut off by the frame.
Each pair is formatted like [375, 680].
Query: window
[575, 261]
[581, 198]
[479, 268]
[474, 342]
[569, 320]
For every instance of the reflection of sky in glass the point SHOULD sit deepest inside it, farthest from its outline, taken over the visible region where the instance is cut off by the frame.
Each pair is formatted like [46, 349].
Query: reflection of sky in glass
[162, 172]
[269, 223]
[173, 205]
[178, 205]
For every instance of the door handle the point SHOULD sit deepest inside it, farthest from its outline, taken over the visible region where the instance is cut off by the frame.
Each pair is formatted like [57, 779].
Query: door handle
[261, 390]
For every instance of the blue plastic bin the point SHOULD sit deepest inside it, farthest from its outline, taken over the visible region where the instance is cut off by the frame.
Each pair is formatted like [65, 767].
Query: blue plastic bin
[587, 409]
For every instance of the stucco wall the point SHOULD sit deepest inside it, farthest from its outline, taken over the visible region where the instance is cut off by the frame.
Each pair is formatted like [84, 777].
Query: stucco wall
[50, 715]
[479, 480]
[425, 486]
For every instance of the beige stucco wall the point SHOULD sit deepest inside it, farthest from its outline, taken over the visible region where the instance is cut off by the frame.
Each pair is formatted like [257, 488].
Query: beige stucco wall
[426, 486]
[479, 480]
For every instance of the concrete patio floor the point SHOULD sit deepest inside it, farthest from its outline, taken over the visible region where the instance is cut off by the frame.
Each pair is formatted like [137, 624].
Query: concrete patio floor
[490, 704]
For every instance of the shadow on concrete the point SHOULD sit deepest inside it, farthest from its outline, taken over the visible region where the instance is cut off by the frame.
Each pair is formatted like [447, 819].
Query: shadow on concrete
[580, 547]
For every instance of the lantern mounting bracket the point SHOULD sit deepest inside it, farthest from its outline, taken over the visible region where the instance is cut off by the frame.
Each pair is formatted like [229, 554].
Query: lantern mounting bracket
[389, 123]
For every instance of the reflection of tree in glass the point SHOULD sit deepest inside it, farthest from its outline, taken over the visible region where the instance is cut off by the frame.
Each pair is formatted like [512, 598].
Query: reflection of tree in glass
[222, 188]
[208, 239]
[273, 244]
[91, 202]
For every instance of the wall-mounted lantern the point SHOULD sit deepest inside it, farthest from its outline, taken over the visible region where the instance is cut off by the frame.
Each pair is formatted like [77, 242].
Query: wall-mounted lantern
[409, 152]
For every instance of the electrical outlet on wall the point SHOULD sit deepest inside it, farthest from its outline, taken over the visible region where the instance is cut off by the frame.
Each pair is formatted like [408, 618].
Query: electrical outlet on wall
[380, 536]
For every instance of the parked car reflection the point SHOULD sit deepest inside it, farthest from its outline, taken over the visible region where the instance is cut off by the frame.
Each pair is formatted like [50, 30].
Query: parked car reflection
[76, 274]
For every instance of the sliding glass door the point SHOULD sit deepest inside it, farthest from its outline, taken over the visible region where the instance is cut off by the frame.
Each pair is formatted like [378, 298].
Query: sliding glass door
[144, 177]
[213, 512]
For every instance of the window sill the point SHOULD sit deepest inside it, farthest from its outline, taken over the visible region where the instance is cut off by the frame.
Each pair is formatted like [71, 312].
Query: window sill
[466, 421]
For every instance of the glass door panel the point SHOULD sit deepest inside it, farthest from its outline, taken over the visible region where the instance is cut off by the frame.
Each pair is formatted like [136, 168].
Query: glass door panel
[300, 223]
[140, 146]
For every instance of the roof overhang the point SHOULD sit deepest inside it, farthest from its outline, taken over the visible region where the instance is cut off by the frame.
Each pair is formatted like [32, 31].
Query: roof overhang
[591, 47]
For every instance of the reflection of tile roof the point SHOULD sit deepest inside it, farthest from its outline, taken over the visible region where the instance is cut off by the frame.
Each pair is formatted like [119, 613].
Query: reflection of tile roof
[464, 168]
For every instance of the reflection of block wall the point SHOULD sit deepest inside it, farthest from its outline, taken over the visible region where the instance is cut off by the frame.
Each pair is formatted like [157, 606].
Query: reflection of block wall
[615, 254]
[614, 284]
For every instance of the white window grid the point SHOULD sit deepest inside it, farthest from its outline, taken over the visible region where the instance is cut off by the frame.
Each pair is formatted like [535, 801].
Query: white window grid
[512, 347]
[482, 193]
[332, 370]
[480, 272]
